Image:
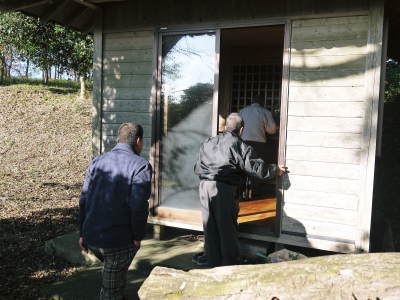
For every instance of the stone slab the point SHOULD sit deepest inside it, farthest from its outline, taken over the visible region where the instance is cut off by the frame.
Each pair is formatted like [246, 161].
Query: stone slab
[174, 252]
[351, 276]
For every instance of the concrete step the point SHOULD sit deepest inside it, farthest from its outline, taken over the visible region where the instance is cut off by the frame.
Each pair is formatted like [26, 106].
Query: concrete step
[85, 283]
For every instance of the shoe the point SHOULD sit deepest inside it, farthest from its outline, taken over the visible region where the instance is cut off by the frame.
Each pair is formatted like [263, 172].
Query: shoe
[200, 259]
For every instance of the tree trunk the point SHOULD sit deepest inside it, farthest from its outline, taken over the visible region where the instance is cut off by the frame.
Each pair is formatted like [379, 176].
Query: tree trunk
[9, 69]
[27, 69]
[2, 68]
[83, 86]
[46, 75]
[1, 74]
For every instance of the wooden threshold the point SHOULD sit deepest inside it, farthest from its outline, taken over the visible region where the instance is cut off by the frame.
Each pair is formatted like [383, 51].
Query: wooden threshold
[257, 210]
[254, 210]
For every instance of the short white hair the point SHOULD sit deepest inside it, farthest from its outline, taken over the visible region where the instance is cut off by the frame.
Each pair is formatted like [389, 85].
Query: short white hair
[234, 122]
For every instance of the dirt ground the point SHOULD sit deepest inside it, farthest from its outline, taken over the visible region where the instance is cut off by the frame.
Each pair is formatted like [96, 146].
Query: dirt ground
[45, 147]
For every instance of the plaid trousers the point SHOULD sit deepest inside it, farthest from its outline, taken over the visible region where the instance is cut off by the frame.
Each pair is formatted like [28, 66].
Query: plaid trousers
[116, 263]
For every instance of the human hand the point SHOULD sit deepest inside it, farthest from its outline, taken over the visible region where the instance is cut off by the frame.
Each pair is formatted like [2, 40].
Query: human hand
[82, 245]
[282, 170]
[137, 243]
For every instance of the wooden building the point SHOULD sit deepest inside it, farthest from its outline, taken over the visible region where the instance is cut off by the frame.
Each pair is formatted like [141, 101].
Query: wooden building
[179, 67]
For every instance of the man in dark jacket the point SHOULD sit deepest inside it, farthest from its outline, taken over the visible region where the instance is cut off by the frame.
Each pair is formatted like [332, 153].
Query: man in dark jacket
[114, 208]
[224, 161]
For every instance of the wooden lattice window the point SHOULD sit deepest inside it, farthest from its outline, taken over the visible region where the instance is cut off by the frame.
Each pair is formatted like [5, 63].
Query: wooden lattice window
[251, 80]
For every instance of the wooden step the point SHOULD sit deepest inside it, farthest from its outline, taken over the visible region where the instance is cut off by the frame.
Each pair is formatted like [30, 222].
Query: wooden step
[254, 210]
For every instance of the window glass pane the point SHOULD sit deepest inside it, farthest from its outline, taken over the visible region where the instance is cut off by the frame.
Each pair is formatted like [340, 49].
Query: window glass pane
[186, 103]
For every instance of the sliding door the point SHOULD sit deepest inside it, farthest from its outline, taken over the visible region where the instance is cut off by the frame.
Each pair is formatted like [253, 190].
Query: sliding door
[188, 67]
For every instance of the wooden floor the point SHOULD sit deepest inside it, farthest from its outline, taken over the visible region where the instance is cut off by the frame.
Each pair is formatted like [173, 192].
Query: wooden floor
[255, 210]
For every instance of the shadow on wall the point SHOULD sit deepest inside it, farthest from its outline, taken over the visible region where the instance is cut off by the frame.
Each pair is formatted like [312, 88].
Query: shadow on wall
[125, 97]
[312, 236]
[334, 95]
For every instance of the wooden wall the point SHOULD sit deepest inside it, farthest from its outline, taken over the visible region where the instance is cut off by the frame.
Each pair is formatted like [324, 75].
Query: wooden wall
[328, 130]
[131, 14]
[128, 66]
[331, 122]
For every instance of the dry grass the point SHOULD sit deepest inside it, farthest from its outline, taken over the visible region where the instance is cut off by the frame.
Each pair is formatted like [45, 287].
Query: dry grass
[44, 151]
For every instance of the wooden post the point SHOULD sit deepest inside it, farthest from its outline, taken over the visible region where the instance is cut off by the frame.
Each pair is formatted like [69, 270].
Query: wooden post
[382, 86]
[283, 123]
[158, 232]
[216, 83]
[373, 77]
[97, 85]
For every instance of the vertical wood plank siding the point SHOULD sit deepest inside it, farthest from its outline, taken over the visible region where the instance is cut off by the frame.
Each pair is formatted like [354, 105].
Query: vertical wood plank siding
[127, 84]
[326, 120]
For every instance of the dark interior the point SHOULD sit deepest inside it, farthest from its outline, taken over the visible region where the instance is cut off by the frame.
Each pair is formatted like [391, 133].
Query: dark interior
[251, 65]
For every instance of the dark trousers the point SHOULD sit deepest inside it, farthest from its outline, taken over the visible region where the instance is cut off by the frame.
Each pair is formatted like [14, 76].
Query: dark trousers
[268, 153]
[220, 208]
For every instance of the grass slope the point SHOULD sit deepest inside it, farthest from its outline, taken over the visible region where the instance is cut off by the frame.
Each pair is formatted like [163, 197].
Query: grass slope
[44, 152]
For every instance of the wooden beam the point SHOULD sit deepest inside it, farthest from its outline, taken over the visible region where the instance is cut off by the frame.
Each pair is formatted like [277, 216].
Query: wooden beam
[107, 1]
[89, 25]
[87, 4]
[75, 17]
[31, 5]
[54, 9]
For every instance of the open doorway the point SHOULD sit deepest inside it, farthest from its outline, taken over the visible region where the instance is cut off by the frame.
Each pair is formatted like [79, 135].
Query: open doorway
[250, 65]
[251, 62]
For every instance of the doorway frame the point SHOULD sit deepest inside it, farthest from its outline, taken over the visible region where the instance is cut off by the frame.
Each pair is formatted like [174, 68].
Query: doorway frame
[188, 29]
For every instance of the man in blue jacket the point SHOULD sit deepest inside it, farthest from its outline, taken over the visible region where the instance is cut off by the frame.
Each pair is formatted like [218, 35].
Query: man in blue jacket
[114, 208]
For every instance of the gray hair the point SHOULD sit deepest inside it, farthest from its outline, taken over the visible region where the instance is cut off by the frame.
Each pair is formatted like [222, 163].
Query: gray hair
[234, 122]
